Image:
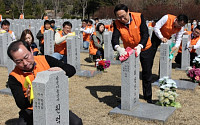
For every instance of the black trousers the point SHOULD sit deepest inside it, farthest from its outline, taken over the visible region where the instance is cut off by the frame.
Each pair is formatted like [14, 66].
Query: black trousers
[146, 60]
[155, 43]
[179, 56]
[26, 118]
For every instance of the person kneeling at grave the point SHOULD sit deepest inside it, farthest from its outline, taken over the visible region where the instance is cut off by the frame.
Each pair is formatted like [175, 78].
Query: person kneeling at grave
[28, 65]
[192, 45]
[60, 49]
[40, 34]
[96, 44]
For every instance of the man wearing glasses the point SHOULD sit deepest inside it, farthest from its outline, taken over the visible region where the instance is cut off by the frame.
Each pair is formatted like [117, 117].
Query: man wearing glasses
[165, 27]
[192, 45]
[132, 29]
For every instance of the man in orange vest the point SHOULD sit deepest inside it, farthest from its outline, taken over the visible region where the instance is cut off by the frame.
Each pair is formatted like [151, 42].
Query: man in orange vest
[40, 34]
[133, 30]
[192, 45]
[60, 49]
[5, 25]
[165, 27]
[21, 16]
[87, 30]
[28, 65]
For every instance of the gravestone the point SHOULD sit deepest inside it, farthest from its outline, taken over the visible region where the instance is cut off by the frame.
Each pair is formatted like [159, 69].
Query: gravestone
[51, 98]
[165, 61]
[130, 104]
[189, 26]
[5, 40]
[48, 42]
[198, 51]
[73, 57]
[108, 50]
[80, 38]
[34, 32]
[185, 58]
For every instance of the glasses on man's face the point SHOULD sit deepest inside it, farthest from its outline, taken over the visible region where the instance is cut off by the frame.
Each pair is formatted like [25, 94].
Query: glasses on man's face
[122, 16]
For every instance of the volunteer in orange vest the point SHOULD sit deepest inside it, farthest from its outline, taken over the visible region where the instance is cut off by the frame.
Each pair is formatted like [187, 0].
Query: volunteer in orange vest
[60, 49]
[132, 29]
[21, 16]
[1, 18]
[192, 45]
[28, 65]
[87, 30]
[28, 37]
[110, 27]
[40, 34]
[96, 44]
[165, 27]
[5, 25]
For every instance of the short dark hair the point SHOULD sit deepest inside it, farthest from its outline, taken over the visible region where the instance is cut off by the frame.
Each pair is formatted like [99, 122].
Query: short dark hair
[53, 21]
[5, 22]
[47, 22]
[67, 23]
[120, 7]
[96, 18]
[90, 21]
[197, 27]
[99, 24]
[24, 33]
[85, 21]
[183, 18]
[14, 46]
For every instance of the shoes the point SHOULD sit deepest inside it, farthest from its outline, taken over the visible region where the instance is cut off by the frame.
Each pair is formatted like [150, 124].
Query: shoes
[151, 101]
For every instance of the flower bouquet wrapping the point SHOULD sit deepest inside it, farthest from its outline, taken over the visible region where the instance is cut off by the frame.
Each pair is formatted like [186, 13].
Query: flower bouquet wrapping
[167, 94]
[102, 64]
[194, 72]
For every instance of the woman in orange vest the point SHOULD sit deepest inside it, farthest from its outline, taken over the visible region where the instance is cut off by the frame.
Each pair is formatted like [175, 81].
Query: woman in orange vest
[193, 44]
[40, 34]
[96, 44]
[28, 65]
[28, 37]
[132, 29]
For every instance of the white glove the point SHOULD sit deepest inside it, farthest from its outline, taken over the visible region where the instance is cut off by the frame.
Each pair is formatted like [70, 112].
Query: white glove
[81, 29]
[138, 50]
[121, 51]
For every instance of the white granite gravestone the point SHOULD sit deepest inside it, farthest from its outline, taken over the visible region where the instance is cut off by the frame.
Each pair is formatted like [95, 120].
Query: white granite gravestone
[73, 57]
[130, 104]
[48, 42]
[185, 59]
[5, 40]
[189, 26]
[34, 32]
[165, 61]
[150, 29]
[108, 50]
[51, 98]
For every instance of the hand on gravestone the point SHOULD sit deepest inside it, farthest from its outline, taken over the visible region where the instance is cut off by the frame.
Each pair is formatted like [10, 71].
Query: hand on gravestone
[164, 40]
[54, 69]
[138, 50]
[121, 51]
[81, 29]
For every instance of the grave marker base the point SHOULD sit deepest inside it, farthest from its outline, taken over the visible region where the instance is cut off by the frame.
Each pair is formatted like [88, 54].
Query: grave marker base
[84, 51]
[147, 111]
[87, 73]
[181, 84]
[6, 91]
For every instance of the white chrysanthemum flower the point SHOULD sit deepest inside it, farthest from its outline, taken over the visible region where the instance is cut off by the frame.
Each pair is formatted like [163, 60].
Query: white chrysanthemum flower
[171, 97]
[166, 100]
[166, 94]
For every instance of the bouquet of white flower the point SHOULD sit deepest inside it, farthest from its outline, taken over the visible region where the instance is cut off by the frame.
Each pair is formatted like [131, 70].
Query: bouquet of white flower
[167, 93]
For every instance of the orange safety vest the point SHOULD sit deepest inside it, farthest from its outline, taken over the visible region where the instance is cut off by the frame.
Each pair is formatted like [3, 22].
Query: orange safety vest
[21, 16]
[46, 17]
[86, 36]
[92, 48]
[0, 18]
[42, 31]
[41, 65]
[168, 28]
[151, 24]
[61, 48]
[192, 42]
[131, 36]
[10, 31]
[109, 28]
[35, 50]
